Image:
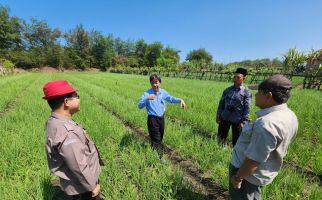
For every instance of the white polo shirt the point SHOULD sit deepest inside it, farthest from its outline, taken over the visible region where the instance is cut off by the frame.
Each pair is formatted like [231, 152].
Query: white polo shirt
[266, 141]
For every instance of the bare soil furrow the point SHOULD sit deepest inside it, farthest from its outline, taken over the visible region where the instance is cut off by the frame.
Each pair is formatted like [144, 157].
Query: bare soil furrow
[201, 182]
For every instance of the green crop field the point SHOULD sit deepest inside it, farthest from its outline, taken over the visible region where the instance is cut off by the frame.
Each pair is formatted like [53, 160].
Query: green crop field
[195, 166]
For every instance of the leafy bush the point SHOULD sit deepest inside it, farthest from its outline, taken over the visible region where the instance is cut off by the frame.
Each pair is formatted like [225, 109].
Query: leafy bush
[7, 64]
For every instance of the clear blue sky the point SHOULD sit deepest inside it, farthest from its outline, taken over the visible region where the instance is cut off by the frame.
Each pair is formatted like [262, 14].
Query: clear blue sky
[230, 30]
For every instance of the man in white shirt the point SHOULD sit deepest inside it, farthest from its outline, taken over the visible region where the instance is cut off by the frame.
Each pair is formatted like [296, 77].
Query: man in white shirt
[258, 155]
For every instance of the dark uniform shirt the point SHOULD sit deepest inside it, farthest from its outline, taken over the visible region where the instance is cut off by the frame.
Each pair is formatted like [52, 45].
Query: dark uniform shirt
[71, 155]
[234, 105]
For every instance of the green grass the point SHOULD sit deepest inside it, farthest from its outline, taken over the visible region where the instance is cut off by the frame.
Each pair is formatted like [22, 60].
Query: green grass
[133, 170]
[202, 108]
[180, 138]
[24, 171]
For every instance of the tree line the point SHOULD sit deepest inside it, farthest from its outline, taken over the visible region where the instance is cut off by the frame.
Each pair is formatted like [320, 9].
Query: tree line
[33, 43]
[36, 44]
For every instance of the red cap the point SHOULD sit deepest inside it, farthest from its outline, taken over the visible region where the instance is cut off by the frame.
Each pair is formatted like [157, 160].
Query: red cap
[55, 89]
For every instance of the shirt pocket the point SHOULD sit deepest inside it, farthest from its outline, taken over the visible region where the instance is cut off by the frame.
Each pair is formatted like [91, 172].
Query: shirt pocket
[80, 134]
[241, 99]
[238, 101]
[89, 143]
[162, 103]
[247, 129]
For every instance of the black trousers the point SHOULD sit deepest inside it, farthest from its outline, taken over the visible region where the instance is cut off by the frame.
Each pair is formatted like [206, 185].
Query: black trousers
[86, 196]
[156, 131]
[223, 130]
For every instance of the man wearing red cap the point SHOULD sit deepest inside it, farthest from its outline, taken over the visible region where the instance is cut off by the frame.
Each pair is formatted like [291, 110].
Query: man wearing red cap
[71, 154]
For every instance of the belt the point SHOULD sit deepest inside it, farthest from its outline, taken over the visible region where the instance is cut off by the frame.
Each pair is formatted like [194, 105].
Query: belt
[153, 116]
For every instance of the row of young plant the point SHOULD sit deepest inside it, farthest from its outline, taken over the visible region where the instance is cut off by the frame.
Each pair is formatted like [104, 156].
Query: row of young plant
[12, 86]
[173, 140]
[202, 98]
[22, 162]
[140, 165]
[132, 170]
[203, 152]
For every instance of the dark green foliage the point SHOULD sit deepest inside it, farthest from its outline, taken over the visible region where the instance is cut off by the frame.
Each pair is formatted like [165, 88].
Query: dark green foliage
[169, 58]
[140, 52]
[153, 52]
[54, 56]
[38, 35]
[200, 55]
[10, 28]
[78, 48]
[6, 64]
[33, 43]
[101, 50]
[258, 63]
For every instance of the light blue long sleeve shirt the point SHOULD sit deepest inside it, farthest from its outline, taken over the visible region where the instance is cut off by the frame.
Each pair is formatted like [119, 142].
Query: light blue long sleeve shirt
[156, 107]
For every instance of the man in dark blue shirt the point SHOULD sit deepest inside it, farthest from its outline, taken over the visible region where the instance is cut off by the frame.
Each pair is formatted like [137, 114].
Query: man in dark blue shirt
[154, 101]
[233, 108]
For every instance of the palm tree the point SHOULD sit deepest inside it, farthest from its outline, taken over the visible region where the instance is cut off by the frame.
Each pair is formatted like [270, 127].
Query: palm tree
[292, 60]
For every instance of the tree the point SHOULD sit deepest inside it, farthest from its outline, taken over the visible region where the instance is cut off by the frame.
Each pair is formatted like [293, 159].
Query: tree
[292, 60]
[102, 50]
[54, 56]
[200, 55]
[124, 48]
[169, 58]
[153, 52]
[10, 28]
[171, 54]
[39, 35]
[314, 63]
[41, 43]
[140, 52]
[78, 47]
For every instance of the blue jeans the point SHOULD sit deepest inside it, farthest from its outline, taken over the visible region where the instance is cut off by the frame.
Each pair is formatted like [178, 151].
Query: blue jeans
[247, 190]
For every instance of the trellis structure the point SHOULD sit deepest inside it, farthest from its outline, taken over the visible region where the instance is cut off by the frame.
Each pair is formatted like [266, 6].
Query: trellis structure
[313, 80]
[313, 71]
[252, 78]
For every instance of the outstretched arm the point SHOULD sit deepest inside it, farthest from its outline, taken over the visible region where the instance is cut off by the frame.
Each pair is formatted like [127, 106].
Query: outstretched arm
[143, 100]
[172, 99]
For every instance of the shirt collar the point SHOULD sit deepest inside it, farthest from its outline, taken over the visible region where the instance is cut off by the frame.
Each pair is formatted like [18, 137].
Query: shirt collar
[152, 91]
[239, 88]
[60, 117]
[265, 111]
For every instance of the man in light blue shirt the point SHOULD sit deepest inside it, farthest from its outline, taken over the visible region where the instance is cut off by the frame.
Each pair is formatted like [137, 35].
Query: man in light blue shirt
[154, 101]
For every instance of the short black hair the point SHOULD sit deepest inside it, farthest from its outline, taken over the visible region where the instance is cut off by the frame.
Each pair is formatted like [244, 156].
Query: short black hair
[155, 76]
[55, 103]
[242, 71]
